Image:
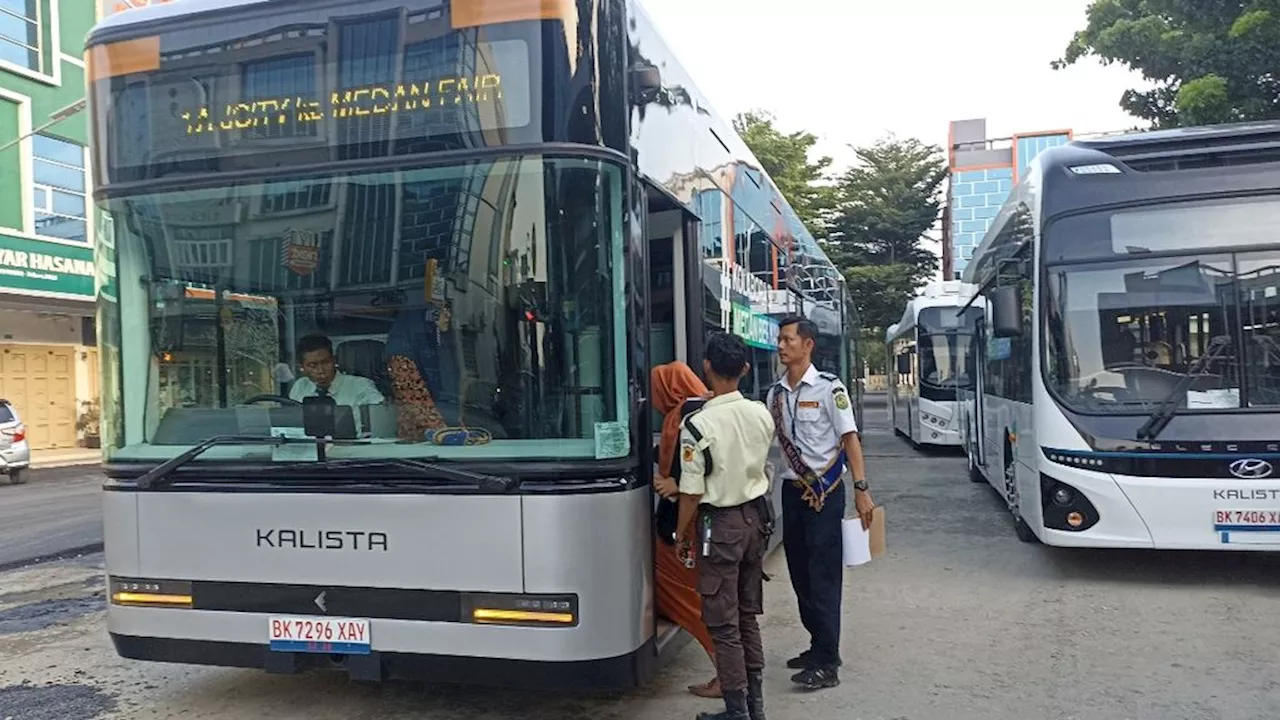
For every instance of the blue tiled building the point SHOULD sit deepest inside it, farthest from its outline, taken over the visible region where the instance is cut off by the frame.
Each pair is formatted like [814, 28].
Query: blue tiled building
[982, 172]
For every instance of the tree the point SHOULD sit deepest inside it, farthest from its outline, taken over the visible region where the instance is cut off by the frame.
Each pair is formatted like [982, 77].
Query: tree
[880, 292]
[1211, 61]
[886, 204]
[786, 158]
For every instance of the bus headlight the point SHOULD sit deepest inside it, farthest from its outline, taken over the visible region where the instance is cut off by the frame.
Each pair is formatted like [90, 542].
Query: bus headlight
[1062, 495]
[136, 592]
[1065, 507]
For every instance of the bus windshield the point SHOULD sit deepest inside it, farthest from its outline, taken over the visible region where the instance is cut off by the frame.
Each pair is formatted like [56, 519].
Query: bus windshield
[1123, 331]
[466, 311]
[945, 343]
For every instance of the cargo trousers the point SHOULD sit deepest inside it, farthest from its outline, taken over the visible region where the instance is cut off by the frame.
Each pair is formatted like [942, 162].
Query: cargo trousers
[731, 549]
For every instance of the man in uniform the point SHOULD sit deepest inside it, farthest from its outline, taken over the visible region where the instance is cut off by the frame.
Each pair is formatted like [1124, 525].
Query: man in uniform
[818, 435]
[724, 521]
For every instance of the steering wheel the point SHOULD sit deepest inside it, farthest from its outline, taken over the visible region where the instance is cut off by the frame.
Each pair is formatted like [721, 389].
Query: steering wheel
[271, 398]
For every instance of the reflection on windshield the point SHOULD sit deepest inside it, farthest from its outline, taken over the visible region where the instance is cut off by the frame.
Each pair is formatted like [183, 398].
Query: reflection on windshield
[1121, 336]
[463, 311]
[946, 346]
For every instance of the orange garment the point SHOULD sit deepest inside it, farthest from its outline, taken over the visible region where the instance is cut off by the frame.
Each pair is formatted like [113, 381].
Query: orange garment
[676, 586]
[676, 594]
[671, 385]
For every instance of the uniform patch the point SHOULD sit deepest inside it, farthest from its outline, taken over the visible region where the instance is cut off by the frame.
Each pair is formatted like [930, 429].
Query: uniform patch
[687, 452]
[842, 401]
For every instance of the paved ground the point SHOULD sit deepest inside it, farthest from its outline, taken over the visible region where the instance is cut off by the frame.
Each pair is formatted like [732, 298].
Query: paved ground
[55, 511]
[959, 620]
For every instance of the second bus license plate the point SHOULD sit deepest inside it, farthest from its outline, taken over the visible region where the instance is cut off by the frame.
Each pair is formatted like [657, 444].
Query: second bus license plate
[1259, 520]
[341, 636]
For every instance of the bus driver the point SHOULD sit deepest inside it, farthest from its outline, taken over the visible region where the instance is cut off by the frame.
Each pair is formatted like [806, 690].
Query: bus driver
[321, 376]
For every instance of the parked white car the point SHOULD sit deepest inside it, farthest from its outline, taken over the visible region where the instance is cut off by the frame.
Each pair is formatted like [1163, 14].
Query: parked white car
[15, 451]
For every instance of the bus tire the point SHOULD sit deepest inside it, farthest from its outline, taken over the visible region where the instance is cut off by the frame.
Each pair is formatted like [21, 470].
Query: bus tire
[975, 473]
[1023, 530]
[1020, 526]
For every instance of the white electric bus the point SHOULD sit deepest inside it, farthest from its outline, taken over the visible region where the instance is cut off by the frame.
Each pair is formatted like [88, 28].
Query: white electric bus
[930, 360]
[1128, 394]
[500, 215]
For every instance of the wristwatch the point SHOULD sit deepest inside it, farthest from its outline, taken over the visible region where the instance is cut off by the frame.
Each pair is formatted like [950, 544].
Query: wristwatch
[861, 485]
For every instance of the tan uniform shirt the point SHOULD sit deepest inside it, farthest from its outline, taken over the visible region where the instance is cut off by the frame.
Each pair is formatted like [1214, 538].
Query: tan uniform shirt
[738, 433]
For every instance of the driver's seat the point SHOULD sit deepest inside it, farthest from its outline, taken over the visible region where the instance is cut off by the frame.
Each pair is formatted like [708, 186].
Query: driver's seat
[366, 359]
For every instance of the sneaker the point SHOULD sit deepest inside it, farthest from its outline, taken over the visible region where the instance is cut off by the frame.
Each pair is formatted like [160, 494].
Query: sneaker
[799, 662]
[816, 678]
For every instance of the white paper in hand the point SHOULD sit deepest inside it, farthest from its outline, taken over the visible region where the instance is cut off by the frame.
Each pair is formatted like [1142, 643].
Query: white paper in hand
[857, 542]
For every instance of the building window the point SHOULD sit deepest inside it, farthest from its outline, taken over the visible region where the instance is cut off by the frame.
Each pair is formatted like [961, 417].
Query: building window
[60, 201]
[20, 33]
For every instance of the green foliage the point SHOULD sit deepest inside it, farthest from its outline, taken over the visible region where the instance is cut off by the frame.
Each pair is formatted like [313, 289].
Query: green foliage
[881, 292]
[886, 205]
[1210, 61]
[786, 158]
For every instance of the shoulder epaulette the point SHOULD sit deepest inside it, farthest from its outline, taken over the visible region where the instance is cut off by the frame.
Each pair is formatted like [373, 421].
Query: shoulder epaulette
[830, 377]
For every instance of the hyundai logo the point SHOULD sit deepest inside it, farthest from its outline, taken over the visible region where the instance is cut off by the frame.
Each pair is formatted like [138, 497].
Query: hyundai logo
[1250, 469]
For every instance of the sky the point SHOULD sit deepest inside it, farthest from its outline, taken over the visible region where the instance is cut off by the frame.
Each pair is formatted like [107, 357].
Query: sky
[852, 71]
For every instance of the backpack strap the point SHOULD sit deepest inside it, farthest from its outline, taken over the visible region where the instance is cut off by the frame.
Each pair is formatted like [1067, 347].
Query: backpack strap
[707, 464]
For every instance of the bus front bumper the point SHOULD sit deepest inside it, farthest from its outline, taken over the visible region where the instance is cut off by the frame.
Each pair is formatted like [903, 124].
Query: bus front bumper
[1161, 513]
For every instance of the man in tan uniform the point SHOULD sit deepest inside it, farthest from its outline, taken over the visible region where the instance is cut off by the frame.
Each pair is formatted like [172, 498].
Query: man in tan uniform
[725, 519]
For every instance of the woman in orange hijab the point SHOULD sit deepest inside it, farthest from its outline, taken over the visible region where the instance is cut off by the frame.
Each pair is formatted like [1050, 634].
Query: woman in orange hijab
[676, 586]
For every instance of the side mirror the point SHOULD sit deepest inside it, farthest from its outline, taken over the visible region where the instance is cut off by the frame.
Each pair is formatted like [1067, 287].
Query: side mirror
[904, 364]
[1006, 311]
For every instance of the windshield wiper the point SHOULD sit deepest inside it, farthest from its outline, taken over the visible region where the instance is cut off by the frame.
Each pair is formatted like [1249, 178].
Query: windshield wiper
[161, 472]
[422, 468]
[1168, 407]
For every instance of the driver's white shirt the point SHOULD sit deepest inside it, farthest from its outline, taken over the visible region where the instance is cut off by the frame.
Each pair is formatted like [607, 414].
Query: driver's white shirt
[351, 390]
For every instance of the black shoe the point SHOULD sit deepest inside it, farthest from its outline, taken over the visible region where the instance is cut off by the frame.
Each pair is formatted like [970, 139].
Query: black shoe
[817, 678]
[735, 707]
[755, 695]
[801, 661]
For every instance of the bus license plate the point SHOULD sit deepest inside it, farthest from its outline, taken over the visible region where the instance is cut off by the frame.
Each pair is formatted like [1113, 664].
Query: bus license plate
[341, 636]
[1255, 520]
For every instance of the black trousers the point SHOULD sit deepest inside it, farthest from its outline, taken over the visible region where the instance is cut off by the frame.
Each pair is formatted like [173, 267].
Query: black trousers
[815, 559]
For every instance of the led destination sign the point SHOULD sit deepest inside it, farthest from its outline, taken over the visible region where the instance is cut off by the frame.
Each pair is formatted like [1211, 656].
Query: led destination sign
[418, 98]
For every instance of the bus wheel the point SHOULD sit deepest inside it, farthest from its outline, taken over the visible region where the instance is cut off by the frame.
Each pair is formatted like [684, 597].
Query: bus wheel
[1023, 530]
[975, 474]
[1020, 526]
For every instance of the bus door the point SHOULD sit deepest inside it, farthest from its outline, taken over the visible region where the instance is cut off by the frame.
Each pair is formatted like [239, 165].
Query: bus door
[978, 432]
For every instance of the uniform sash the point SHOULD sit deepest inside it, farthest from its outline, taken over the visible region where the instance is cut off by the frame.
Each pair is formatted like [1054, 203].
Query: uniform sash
[816, 486]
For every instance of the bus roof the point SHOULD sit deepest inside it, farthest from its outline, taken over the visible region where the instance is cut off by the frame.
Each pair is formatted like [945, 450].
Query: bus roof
[944, 293]
[166, 10]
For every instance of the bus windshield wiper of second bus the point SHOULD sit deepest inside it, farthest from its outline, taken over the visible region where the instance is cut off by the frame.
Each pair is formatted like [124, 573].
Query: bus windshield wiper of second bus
[384, 471]
[1168, 407]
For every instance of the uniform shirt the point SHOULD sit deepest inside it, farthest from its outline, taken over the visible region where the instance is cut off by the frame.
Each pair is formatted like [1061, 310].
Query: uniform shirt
[351, 390]
[820, 413]
[738, 432]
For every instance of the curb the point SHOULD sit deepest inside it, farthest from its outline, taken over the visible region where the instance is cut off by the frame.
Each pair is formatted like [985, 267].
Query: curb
[60, 555]
[70, 462]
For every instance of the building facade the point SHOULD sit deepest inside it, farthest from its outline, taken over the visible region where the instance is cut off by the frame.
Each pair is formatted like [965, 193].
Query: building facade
[982, 172]
[48, 354]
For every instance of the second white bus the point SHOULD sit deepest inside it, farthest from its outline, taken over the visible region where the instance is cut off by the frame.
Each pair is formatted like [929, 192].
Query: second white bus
[1128, 394]
[930, 360]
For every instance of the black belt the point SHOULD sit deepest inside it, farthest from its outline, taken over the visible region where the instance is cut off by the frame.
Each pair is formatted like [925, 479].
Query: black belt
[763, 504]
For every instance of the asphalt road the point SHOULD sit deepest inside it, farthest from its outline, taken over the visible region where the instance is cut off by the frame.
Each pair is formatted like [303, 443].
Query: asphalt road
[958, 620]
[54, 511]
